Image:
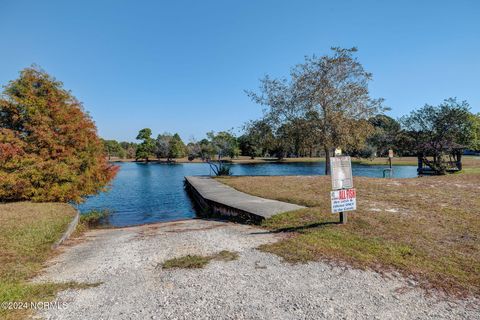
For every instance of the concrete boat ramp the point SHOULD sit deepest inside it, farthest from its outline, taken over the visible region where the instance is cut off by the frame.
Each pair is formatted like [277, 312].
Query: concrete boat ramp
[216, 198]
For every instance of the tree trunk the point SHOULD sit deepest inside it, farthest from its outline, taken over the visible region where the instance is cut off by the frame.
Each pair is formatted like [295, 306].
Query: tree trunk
[459, 161]
[327, 160]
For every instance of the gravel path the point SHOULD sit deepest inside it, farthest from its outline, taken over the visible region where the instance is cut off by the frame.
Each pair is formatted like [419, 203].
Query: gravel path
[257, 286]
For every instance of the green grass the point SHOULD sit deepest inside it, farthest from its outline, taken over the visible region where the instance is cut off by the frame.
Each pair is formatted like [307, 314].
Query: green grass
[95, 218]
[425, 228]
[27, 233]
[187, 262]
[196, 261]
[471, 170]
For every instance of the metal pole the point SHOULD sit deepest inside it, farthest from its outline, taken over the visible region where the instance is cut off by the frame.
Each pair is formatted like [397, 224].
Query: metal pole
[391, 170]
[343, 217]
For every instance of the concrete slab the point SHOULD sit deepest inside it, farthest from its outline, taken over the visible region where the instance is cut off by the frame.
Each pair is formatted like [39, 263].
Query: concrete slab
[213, 191]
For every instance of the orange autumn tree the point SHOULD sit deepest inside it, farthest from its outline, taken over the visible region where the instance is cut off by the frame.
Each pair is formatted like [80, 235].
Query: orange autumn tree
[49, 147]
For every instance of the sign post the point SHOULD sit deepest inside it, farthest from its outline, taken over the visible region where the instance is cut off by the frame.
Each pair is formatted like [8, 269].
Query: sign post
[343, 197]
[342, 201]
[389, 170]
[390, 157]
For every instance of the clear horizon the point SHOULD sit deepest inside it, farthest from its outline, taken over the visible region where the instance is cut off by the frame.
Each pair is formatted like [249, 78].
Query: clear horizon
[183, 67]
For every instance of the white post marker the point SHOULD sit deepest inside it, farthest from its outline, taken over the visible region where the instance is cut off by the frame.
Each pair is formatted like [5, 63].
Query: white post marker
[390, 157]
[343, 197]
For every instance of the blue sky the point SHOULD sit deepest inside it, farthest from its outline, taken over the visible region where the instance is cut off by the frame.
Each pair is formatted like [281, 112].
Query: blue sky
[183, 66]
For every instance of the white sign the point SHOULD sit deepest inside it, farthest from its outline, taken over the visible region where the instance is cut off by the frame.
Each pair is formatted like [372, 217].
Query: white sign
[341, 173]
[343, 200]
[390, 153]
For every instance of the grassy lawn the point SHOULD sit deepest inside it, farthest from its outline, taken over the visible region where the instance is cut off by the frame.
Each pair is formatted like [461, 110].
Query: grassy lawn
[27, 232]
[426, 228]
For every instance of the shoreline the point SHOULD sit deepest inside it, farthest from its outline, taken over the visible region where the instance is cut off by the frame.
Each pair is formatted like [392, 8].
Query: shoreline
[468, 161]
[405, 161]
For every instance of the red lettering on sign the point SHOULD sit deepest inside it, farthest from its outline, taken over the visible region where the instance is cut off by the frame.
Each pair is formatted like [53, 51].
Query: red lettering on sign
[351, 193]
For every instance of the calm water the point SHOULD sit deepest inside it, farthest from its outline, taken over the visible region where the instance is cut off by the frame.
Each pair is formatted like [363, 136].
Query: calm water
[144, 193]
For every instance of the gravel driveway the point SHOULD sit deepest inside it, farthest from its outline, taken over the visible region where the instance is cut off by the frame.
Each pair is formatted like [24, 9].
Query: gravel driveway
[256, 286]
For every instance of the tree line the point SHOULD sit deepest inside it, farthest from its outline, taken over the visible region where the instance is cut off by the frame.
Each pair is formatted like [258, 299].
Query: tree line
[428, 132]
[325, 104]
[260, 139]
[216, 146]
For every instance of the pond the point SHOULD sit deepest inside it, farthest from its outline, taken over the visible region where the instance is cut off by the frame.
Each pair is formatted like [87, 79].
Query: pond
[145, 193]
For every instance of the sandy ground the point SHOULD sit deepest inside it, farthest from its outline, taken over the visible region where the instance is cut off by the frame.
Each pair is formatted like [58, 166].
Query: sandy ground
[258, 285]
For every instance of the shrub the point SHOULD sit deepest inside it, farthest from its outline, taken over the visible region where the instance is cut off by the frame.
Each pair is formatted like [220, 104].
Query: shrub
[95, 218]
[219, 168]
[224, 171]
